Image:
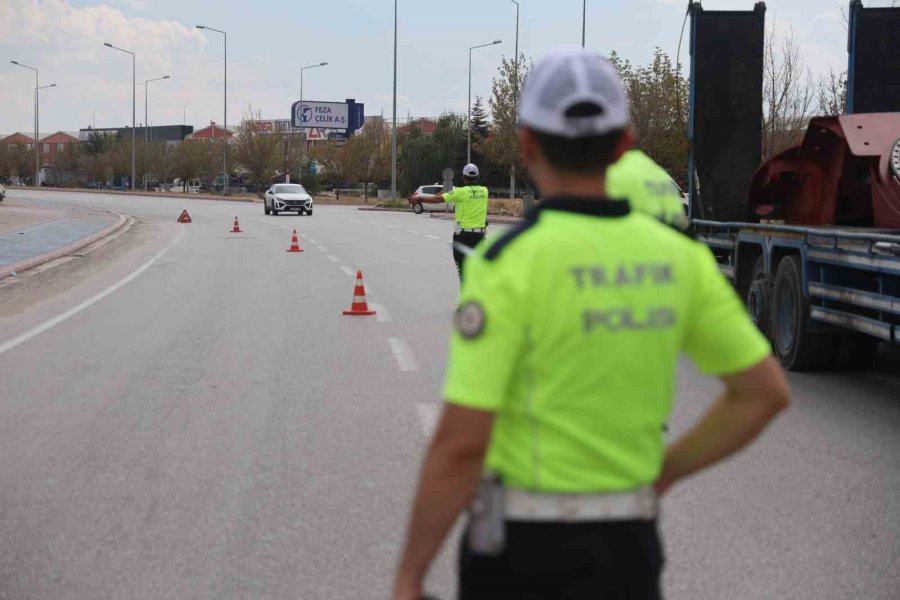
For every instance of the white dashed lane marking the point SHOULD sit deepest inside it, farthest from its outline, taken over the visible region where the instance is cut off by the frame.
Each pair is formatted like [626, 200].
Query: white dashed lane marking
[428, 416]
[410, 231]
[434, 237]
[332, 258]
[406, 359]
[348, 271]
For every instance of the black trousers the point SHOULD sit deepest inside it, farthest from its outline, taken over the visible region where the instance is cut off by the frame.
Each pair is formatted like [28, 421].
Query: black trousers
[466, 238]
[610, 560]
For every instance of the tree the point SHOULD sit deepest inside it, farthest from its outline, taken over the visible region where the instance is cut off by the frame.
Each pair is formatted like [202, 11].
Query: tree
[259, 154]
[187, 159]
[209, 161]
[658, 104]
[480, 125]
[502, 144]
[418, 157]
[334, 162]
[68, 164]
[788, 93]
[832, 93]
[369, 154]
[22, 161]
[449, 142]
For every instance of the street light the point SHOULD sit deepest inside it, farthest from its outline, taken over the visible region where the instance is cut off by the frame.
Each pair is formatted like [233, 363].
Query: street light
[301, 76]
[512, 170]
[133, 106]
[394, 127]
[147, 127]
[469, 118]
[322, 64]
[37, 141]
[225, 134]
[583, 20]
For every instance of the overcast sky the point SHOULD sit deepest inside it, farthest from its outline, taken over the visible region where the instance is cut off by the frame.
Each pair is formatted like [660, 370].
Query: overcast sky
[268, 40]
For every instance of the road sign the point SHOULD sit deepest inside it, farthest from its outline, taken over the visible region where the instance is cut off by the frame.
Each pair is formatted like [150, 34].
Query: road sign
[448, 179]
[315, 134]
[321, 115]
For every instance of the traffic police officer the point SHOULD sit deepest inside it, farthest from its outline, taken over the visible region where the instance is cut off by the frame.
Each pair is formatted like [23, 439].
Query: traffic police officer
[647, 186]
[562, 367]
[471, 202]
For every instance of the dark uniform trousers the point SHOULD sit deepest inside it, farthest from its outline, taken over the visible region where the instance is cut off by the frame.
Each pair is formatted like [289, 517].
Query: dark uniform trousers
[466, 238]
[610, 560]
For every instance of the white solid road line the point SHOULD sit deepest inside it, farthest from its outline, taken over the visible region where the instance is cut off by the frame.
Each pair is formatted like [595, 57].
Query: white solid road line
[428, 415]
[333, 258]
[406, 360]
[348, 271]
[50, 323]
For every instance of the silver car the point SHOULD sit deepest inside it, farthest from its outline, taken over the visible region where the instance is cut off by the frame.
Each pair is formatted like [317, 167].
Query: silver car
[287, 197]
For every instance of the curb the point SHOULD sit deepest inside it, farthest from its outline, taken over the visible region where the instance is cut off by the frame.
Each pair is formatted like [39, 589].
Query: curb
[34, 261]
[143, 194]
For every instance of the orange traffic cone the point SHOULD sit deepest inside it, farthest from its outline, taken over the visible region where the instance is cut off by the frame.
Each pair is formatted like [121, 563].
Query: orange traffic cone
[185, 217]
[295, 244]
[359, 306]
[237, 227]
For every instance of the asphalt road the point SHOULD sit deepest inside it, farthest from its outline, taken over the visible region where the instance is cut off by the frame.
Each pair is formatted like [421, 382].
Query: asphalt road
[185, 413]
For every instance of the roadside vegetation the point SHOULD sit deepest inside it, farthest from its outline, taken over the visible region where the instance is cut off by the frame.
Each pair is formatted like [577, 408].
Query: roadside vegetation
[359, 169]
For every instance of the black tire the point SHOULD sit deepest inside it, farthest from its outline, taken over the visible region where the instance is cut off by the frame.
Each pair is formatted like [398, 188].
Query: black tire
[418, 208]
[266, 208]
[797, 348]
[758, 296]
[274, 212]
[309, 212]
[855, 352]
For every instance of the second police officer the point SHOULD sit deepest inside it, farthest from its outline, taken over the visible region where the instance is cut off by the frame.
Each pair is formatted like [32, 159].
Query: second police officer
[471, 206]
[561, 372]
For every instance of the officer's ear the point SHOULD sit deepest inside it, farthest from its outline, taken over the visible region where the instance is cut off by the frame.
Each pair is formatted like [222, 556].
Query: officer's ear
[626, 143]
[528, 146]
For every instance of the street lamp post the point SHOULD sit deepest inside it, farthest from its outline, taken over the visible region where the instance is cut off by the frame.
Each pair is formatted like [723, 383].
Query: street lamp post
[147, 126]
[227, 180]
[469, 117]
[37, 141]
[394, 126]
[512, 170]
[322, 64]
[133, 107]
[583, 20]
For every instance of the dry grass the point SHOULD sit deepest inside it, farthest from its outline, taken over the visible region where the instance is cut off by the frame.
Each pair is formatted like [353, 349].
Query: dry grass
[505, 207]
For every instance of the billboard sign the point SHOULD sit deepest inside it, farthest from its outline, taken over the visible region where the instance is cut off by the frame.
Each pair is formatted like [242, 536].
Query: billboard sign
[269, 126]
[321, 115]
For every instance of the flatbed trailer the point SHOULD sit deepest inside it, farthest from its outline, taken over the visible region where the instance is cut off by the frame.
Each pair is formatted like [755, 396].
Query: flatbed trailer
[825, 296]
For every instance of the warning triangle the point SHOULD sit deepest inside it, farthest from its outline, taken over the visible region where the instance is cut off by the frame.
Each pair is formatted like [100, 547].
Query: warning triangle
[185, 217]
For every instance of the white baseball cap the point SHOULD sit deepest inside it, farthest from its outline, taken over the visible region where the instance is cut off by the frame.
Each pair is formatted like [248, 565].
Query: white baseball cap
[573, 94]
[470, 170]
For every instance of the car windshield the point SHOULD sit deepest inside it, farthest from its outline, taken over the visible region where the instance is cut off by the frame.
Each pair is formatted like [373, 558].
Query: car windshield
[289, 189]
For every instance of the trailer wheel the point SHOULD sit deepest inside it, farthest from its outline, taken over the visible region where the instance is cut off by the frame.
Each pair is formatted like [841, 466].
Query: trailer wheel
[758, 297]
[795, 346]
